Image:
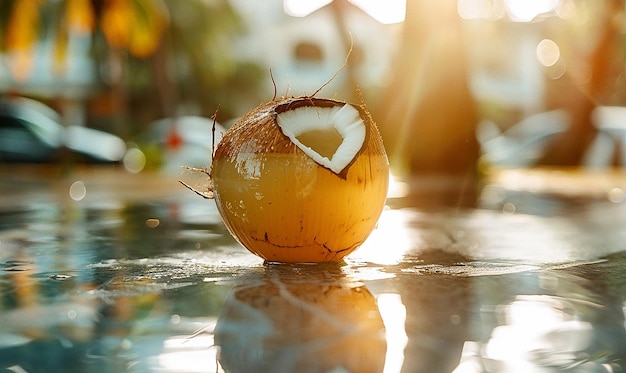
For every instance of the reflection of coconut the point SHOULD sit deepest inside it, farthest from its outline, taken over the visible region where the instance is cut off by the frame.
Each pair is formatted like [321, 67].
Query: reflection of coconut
[291, 320]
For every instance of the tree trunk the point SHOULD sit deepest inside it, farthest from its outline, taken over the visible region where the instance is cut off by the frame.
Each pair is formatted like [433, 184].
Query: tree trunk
[428, 115]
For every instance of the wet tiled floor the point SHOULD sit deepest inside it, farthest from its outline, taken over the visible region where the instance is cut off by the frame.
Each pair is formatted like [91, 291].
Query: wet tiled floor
[103, 271]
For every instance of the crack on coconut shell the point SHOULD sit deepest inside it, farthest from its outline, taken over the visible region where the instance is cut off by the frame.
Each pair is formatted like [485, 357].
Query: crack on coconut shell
[310, 101]
[329, 251]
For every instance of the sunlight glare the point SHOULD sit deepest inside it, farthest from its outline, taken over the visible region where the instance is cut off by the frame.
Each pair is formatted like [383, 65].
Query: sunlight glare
[397, 188]
[386, 12]
[302, 8]
[536, 323]
[474, 9]
[186, 354]
[393, 313]
[534, 312]
[390, 241]
[527, 10]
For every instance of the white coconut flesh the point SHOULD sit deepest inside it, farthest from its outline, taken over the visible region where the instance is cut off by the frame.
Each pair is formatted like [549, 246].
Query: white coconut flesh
[331, 136]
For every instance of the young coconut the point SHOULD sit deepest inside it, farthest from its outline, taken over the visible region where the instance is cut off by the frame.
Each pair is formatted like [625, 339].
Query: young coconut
[301, 179]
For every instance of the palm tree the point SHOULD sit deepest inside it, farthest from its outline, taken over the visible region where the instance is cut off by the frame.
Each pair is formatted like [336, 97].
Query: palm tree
[160, 52]
[133, 25]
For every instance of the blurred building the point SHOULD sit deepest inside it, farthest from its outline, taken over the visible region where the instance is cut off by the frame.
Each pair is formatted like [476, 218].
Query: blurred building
[40, 76]
[304, 50]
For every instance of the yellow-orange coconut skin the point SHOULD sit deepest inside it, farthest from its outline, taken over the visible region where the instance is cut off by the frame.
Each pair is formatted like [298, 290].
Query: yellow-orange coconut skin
[282, 205]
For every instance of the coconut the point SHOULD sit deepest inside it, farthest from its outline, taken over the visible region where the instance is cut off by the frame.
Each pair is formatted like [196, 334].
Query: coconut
[301, 179]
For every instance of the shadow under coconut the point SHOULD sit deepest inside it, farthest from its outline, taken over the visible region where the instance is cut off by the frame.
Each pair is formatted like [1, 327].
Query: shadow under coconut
[300, 319]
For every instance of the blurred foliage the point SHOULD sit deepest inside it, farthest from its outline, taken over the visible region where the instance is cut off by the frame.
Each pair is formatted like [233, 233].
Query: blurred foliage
[154, 58]
[201, 36]
[134, 25]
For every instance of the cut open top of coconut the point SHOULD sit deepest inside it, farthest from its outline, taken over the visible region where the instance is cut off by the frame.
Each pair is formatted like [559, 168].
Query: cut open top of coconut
[332, 136]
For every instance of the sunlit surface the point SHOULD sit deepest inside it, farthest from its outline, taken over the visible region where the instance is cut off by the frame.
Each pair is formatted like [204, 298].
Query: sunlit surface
[532, 325]
[555, 330]
[568, 182]
[188, 354]
[136, 273]
[390, 240]
[393, 313]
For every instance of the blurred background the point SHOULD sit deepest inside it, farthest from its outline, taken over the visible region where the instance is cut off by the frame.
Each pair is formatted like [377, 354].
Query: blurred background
[456, 87]
[107, 264]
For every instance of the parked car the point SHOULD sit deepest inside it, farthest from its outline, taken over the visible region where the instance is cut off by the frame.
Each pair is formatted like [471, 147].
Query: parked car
[611, 122]
[523, 144]
[31, 131]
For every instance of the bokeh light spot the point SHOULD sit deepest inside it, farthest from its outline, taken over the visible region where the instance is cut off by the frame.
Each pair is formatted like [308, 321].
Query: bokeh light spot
[134, 160]
[72, 314]
[509, 208]
[616, 195]
[78, 190]
[548, 52]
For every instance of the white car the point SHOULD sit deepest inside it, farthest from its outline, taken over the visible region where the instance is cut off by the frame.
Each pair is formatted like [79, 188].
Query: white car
[522, 144]
[32, 132]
